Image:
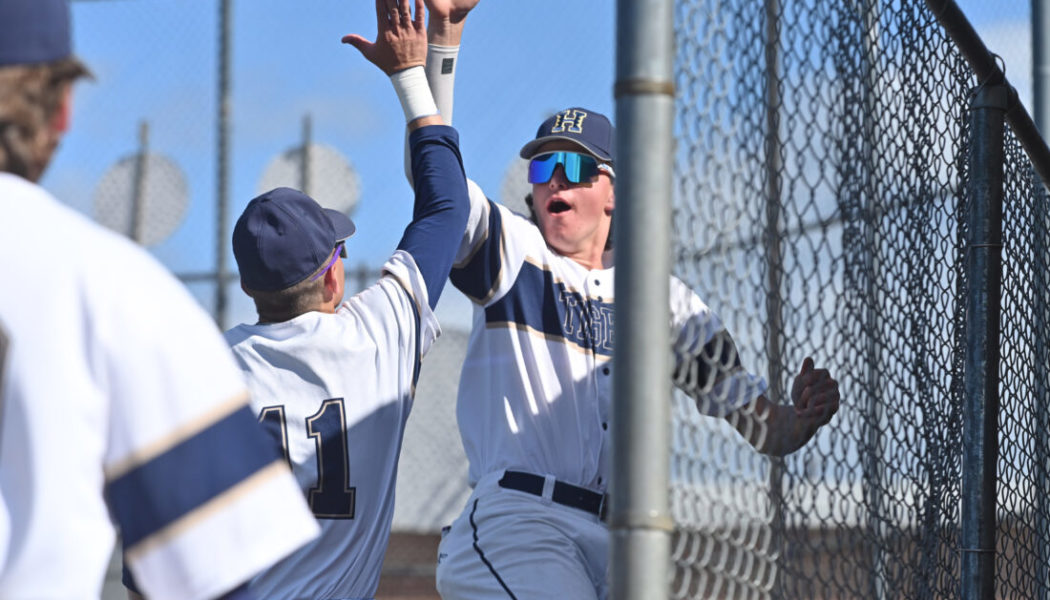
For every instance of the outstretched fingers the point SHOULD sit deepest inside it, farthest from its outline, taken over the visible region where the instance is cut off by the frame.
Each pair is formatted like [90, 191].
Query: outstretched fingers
[419, 21]
[401, 42]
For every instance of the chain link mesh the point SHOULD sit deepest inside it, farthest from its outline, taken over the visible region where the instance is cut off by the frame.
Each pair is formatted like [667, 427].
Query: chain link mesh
[820, 210]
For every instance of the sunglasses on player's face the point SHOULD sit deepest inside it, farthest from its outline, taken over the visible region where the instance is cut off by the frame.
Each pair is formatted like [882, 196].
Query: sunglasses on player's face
[579, 168]
[341, 247]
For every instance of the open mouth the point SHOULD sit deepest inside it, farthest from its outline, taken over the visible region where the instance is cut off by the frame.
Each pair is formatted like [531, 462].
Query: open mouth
[557, 206]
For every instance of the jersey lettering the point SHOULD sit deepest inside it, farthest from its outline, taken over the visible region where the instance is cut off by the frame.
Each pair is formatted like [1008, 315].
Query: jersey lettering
[580, 320]
[272, 420]
[332, 497]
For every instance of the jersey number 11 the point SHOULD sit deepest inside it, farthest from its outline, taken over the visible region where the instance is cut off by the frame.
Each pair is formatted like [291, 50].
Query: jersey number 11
[332, 497]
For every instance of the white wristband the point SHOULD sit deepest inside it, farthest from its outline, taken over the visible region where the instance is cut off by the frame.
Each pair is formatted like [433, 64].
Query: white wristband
[414, 93]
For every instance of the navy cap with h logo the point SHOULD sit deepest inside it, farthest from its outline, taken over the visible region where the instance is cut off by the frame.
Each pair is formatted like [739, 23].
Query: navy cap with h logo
[283, 237]
[589, 129]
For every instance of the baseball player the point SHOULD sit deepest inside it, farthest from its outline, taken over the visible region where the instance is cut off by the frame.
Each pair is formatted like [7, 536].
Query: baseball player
[534, 396]
[117, 393]
[333, 381]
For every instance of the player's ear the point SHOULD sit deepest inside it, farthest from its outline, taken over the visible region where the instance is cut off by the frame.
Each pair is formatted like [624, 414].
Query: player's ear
[62, 118]
[610, 204]
[334, 281]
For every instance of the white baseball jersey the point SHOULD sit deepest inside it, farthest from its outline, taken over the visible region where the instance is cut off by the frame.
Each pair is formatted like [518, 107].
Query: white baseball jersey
[535, 392]
[335, 390]
[119, 399]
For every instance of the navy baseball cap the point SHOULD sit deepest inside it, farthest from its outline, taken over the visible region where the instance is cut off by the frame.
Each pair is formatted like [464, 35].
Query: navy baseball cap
[587, 128]
[34, 31]
[284, 236]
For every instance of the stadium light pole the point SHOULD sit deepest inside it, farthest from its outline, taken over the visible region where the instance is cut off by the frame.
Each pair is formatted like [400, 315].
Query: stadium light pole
[639, 515]
[222, 162]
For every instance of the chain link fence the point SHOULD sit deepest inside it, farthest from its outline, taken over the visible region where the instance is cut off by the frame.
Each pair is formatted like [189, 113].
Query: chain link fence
[842, 237]
[820, 208]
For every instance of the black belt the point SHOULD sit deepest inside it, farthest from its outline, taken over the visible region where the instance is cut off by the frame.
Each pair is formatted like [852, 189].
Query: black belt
[564, 493]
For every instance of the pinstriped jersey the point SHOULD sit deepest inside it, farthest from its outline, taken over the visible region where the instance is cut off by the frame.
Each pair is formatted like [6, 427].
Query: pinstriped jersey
[335, 392]
[535, 391]
[120, 399]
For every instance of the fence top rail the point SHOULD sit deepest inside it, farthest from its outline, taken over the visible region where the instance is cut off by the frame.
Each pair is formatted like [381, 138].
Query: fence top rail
[988, 72]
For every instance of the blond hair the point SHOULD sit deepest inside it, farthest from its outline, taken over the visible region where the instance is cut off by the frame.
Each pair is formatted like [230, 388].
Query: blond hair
[30, 98]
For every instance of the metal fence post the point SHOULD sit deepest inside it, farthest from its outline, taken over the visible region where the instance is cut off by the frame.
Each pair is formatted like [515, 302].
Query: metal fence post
[980, 452]
[1041, 110]
[640, 520]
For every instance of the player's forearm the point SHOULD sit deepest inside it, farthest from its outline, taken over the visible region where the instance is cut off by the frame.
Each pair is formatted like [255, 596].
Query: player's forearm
[787, 432]
[444, 31]
[773, 429]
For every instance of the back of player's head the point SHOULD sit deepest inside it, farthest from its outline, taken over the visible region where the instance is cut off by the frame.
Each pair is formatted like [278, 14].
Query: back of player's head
[283, 237]
[36, 67]
[591, 130]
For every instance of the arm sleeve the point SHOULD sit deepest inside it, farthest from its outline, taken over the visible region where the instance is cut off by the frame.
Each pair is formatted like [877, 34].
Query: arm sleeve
[707, 364]
[441, 205]
[441, 75]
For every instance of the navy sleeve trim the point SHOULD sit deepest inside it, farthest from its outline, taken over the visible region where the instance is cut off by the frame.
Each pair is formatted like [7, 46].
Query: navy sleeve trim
[153, 495]
[478, 277]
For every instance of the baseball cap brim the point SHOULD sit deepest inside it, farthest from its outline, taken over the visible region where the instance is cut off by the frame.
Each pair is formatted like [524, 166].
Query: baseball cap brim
[531, 149]
[343, 226]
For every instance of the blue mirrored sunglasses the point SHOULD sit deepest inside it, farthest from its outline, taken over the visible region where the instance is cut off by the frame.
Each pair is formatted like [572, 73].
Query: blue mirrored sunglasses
[579, 168]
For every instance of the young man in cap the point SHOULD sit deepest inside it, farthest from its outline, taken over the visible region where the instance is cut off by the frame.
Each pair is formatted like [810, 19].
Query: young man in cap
[116, 389]
[334, 380]
[535, 393]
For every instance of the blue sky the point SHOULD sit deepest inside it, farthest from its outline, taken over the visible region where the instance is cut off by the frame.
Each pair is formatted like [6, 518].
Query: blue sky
[155, 60]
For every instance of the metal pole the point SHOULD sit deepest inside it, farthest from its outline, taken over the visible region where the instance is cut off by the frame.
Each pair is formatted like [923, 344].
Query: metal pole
[1041, 379]
[1040, 229]
[304, 164]
[640, 519]
[874, 467]
[981, 376]
[1041, 64]
[138, 200]
[222, 176]
[774, 260]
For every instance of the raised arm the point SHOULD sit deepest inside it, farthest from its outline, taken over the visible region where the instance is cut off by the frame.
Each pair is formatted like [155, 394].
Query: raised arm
[445, 30]
[441, 202]
[400, 50]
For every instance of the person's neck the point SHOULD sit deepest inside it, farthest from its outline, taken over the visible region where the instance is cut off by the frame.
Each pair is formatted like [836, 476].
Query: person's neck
[269, 319]
[593, 260]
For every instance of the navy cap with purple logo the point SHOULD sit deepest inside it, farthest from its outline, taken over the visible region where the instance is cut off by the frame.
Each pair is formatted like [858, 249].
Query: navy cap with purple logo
[283, 236]
[34, 31]
[587, 128]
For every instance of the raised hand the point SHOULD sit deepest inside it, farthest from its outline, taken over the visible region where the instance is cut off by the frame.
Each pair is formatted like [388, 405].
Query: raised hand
[453, 11]
[401, 39]
[815, 394]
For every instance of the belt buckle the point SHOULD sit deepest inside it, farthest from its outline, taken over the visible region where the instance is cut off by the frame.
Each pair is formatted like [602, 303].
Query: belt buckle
[601, 507]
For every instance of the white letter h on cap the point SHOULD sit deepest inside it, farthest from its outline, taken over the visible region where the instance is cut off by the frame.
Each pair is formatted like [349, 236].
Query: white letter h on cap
[570, 121]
